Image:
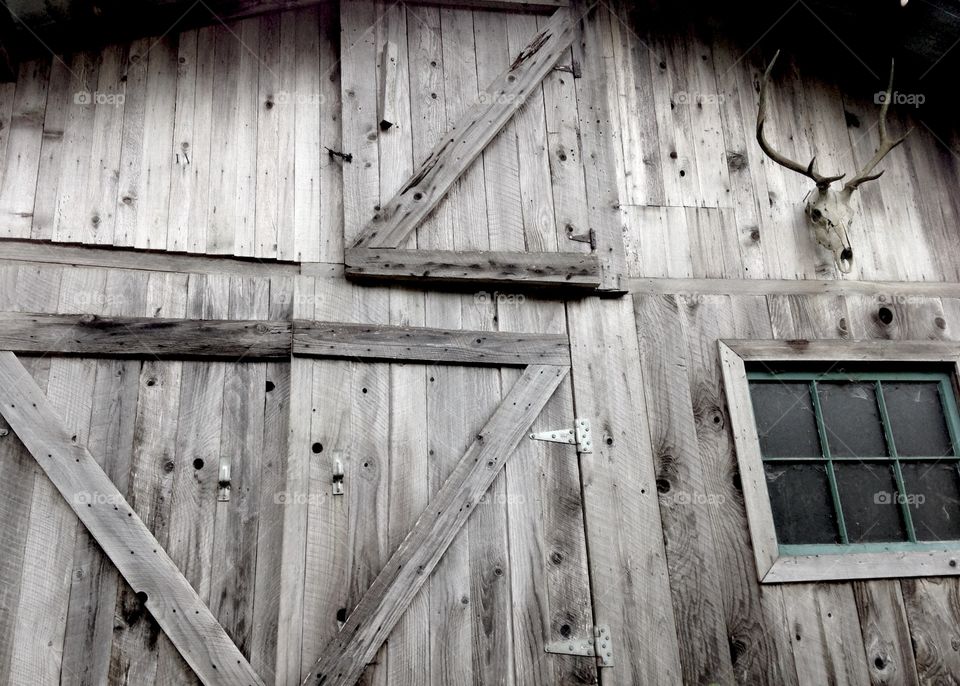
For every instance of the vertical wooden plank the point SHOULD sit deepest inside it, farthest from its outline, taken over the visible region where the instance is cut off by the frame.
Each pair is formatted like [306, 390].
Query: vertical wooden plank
[18, 177]
[247, 108]
[39, 649]
[307, 137]
[100, 203]
[183, 185]
[598, 140]
[233, 565]
[160, 102]
[69, 222]
[638, 158]
[131, 183]
[284, 106]
[563, 144]
[276, 424]
[294, 502]
[690, 543]
[193, 498]
[502, 175]
[359, 111]
[465, 206]
[222, 208]
[619, 495]
[331, 175]
[36, 290]
[550, 590]
[59, 99]
[269, 116]
[93, 594]
[152, 475]
[757, 626]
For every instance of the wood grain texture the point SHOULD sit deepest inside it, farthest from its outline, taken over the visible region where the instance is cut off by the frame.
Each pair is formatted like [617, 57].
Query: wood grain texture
[143, 336]
[422, 344]
[410, 566]
[121, 533]
[437, 174]
[557, 270]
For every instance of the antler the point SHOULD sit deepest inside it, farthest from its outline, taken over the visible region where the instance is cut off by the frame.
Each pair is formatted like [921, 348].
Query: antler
[886, 144]
[823, 182]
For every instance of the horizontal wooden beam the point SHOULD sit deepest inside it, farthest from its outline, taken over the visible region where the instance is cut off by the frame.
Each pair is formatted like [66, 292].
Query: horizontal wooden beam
[458, 149]
[892, 291]
[417, 344]
[845, 351]
[84, 334]
[567, 270]
[115, 526]
[15, 250]
[408, 569]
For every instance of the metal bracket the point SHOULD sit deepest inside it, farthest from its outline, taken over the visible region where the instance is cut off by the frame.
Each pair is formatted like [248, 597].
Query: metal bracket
[599, 646]
[579, 435]
[223, 484]
[337, 481]
[589, 236]
[572, 68]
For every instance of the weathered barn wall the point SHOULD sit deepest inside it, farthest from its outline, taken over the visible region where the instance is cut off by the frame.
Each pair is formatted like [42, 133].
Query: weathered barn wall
[219, 148]
[700, 198]
[876, 632]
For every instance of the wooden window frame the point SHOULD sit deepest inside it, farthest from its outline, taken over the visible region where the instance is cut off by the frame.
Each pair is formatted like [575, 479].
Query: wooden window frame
[775, 565]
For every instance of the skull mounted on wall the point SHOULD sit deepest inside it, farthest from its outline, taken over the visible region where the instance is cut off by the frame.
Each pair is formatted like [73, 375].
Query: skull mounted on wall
[828, 210]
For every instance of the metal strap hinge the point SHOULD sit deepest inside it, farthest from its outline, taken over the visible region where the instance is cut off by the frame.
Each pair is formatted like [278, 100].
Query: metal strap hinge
[579, 435]
[599, 646]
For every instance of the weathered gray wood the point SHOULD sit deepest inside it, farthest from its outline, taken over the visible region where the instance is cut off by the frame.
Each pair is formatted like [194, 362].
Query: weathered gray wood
[410, 566]
[235, 9]
[388, 86]
[421, 344]
[892, 291]
[467, 139]
[143, 336]
[119, 531]
[556, 269]
[129, 258]
[846, 350]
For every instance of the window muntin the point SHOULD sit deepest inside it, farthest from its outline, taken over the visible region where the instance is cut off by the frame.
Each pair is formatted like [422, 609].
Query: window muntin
[864, 461]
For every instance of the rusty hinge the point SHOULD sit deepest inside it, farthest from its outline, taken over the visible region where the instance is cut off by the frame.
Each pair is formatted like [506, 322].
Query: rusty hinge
[589, 236]
[579, 435]
[600, 646]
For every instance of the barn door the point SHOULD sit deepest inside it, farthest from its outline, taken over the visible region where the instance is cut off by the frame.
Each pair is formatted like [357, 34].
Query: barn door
[514, 578]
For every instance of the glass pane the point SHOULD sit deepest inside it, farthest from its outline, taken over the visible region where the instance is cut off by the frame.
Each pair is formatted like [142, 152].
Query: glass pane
[852, 419]
[917, 419]
[870, 502]
[785, 420]
[801, 502]
[933, 492]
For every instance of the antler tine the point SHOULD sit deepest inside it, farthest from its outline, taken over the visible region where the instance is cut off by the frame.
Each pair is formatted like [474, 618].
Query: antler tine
[808, 171]
[886, 144]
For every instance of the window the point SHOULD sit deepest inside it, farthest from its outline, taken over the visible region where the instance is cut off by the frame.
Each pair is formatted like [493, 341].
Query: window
[864, 460]
[850, 467]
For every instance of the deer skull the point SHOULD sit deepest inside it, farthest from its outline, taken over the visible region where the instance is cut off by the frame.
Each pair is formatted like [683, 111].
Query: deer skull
[830, 211]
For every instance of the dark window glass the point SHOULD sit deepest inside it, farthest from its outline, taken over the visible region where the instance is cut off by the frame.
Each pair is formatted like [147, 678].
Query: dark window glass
[868, 496]
[785, 421]
[917, 419]
[933, 493]
[852, 419]
[801, 502]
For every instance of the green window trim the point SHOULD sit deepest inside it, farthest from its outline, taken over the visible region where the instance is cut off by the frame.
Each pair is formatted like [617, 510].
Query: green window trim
[948, 400]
